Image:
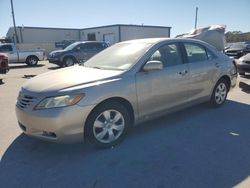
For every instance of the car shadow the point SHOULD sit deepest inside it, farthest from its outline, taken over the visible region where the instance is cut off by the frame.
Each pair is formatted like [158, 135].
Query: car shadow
[25, 66]
[196, 147]
[54, 68]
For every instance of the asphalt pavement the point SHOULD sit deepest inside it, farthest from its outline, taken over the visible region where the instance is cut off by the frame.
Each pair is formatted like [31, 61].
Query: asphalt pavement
[195, 147]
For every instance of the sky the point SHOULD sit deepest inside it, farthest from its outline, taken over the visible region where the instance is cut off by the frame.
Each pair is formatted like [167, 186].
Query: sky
[178, 14]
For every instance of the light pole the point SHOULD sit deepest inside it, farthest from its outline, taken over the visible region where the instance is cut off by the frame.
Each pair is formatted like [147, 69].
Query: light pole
[14, 23]
[196, 17]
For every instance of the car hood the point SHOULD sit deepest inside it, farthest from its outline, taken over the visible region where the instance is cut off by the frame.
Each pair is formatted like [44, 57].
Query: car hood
[65, 78]
[235, 49]
[57, 51]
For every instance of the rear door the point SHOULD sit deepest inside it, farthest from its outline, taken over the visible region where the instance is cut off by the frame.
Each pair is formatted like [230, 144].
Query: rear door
[163, 89]
[203, 70]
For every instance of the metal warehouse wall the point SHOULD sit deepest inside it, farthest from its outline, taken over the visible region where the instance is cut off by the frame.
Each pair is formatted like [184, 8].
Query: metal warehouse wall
[136, 32]
[100, 33]
[44, 35]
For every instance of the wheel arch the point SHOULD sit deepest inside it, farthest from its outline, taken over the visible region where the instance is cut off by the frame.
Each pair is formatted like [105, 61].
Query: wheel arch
[120, 100]
[227, 79]
[69, 56]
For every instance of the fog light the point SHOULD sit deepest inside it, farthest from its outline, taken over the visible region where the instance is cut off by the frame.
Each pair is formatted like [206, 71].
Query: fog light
[49, 134]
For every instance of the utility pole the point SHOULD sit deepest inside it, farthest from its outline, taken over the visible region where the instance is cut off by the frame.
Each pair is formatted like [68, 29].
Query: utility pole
[196, 17]
[14, 23]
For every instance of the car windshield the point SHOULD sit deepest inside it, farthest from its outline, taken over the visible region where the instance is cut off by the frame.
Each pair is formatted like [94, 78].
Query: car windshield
[120, 56]
[72, 46]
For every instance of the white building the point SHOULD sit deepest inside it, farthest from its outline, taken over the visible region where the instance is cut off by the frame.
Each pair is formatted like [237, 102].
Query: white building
[39, 36]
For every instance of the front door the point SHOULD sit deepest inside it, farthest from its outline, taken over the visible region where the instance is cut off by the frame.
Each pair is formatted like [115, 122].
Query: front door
[163, 89]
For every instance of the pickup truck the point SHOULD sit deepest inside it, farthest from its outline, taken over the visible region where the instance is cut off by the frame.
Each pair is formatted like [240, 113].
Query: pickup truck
[30, 57]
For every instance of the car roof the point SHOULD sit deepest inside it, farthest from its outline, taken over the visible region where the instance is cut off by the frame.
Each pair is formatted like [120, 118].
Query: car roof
[157, 40]
[83, 42]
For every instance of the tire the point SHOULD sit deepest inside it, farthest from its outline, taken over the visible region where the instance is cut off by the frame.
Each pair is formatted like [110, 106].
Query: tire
[220, 92]
[107, 124]
[68, 61]
[32, 61]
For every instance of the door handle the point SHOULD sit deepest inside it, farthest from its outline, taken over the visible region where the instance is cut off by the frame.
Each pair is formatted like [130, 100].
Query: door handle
[183, 73]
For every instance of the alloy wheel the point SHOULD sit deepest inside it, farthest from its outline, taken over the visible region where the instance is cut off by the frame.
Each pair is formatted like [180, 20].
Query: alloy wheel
[108, 126]
[32, 61]
[69, 62]
[220, 93]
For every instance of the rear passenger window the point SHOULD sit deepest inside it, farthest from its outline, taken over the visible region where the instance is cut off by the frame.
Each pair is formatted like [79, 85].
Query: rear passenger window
[169, 55]
[94, 46]
[210, 55]
[195, 53]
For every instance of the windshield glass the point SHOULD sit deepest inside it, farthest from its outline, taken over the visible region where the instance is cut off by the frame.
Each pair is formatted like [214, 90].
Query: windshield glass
[72, 46]
[120, 56]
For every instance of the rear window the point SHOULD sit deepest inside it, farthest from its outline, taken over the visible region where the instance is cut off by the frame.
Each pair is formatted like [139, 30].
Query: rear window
[195, 53]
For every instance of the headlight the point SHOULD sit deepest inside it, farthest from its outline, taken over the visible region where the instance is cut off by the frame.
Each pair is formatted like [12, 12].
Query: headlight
[55, 54]
[59, 101]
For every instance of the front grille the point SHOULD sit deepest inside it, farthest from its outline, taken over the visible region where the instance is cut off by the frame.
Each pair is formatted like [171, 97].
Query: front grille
[24, 101]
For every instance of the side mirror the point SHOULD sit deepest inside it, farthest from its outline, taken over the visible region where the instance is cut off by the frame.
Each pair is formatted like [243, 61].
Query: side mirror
[153, 65]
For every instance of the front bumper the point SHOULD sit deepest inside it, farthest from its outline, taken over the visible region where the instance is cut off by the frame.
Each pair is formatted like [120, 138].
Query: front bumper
[55, 61]
[62, 125]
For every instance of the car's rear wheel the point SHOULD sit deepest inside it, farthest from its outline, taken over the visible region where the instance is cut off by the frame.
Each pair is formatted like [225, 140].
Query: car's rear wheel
[32, 61]
[220, 92]
[107, 125]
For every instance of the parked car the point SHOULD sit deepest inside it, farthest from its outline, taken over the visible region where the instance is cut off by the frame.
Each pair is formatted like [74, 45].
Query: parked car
[4, 66]
[30, 57]
[78, 52]
[243, 64]
[237, 50]
[127, 83]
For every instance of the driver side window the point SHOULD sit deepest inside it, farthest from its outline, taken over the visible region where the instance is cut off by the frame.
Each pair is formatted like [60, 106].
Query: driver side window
[169, 55]
[6, 48]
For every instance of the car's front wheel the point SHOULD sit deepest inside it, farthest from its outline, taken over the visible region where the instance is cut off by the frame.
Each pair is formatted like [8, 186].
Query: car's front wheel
[107, 124]
[220, 91]
[69, 61]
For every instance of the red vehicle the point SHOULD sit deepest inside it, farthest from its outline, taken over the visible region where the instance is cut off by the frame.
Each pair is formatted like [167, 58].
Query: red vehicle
[4, 66]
